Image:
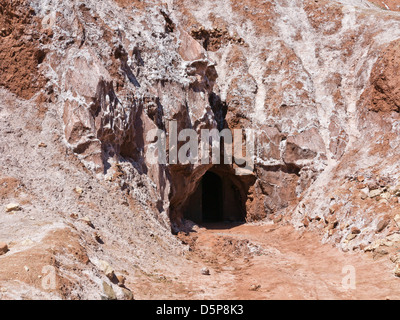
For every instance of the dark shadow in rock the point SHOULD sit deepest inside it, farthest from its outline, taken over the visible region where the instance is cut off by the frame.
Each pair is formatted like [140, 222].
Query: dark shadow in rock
[220, 196]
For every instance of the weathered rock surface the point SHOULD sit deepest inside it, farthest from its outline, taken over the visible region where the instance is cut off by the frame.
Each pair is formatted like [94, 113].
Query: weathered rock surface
[317, 81]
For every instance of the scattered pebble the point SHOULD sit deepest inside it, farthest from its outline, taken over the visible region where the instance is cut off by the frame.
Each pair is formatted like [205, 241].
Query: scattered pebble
[87, 221]
[205, 271]
[255, 287]
[78, 190]
[351, 236]
[107, 269]
[13, 207]
[73, 216]
[121, 280]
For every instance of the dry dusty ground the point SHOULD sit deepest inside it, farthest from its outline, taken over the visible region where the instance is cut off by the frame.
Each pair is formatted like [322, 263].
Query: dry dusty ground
[266, 261]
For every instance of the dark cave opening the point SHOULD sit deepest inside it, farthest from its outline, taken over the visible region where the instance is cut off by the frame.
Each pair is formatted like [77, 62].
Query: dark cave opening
[220, 196]
[211, 188]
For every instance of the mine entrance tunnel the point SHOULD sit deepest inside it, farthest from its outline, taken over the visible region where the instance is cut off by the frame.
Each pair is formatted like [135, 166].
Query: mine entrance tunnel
[219, 196]
[212, 197]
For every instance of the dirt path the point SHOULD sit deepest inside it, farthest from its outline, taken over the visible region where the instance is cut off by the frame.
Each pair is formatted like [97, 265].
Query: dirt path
[276, 262]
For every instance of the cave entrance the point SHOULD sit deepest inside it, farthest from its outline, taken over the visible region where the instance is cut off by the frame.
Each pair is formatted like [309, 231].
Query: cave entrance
[212, 206]
[219, 196]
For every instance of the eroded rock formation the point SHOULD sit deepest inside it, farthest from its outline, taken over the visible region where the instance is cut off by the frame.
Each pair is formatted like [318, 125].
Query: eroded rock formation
[317, 81]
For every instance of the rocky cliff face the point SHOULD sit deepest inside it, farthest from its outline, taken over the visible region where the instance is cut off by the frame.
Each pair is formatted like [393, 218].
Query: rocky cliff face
[84, 82]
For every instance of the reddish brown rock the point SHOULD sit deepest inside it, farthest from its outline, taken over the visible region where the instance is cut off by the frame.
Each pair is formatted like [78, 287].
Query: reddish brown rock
[384, 93]
[3, 248]
[382, 225]
[20, 63]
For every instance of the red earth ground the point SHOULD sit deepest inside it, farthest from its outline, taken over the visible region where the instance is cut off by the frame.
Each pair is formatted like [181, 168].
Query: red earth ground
[269, 261]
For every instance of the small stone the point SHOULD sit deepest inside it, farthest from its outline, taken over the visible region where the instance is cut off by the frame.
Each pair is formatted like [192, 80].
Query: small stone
[395, 258]
[3, 248]
[364, 196]
[121, 280]
[355, 230]
[394, 237]
[26, 268]
[255, 287]
[13, 207]
[363, 246]
[42, 145]
[87, 221]
[334, 208]
[397, 270]
[278, 219]
[332, 222]
[351, 236]
[382, 225]
[78, 190]
[385, 195]
[98, 238]
[344, 226]
[205, 271]
[397, 220]
[360, 178]
[379, 253]
[109, 291]
[373, 185]
[332, 225]
[107, 269]
[128, 294]
[395, 191]
[374, 193]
